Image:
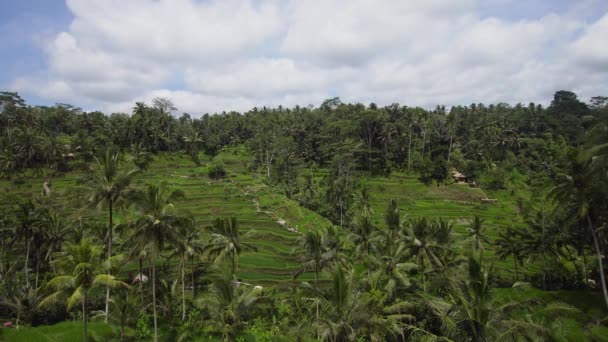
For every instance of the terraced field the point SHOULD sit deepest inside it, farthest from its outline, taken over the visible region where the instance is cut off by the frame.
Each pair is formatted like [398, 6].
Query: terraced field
[272, 217]
[457, 202]
[275, 220]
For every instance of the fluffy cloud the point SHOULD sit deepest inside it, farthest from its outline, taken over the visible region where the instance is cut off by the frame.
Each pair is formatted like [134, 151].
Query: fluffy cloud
[218, 55]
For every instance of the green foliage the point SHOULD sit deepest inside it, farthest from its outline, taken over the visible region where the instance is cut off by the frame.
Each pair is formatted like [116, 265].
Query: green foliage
[216, 170]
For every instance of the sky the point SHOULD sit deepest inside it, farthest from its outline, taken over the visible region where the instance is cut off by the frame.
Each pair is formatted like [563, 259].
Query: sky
[209, 56]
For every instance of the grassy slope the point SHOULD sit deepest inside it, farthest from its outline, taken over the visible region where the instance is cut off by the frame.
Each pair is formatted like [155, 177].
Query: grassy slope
[64, 332]
[457, 202]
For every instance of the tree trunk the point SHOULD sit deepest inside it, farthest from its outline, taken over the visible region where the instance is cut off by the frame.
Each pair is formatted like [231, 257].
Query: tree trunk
[409, 150]
[599, 260]
[85, 319]
[182, 265]
[1, 265]
[110, 228]
[585, 268]
[141, 284]
[515, 264]
[37, 271]
[27, 258]
[154, 300]
[193, 291]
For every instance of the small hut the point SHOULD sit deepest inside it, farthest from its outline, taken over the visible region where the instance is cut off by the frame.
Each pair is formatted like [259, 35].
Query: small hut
[460, 178]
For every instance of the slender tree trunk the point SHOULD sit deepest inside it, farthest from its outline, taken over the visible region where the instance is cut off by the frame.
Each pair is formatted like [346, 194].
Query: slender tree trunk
[585, 268]
[141, 283]
[192, 266]
[183, 266]
[27, 259]
[515, 264]
[37, 272]
[599, 260]
[154, 300]
[1, 265]
[110, 228]
[85, 319]
[409, 150]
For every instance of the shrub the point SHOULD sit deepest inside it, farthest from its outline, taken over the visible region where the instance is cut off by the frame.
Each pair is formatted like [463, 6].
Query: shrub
[216, 170]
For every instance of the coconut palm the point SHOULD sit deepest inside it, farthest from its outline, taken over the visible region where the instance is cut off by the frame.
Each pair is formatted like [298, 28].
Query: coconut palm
[313, 257]
[227, 242]
[55, 233]
[27, 216]
[229, 303]
[347, 312]
[187, 245]
[430, 242]
[158, 224]
[576, 193]
[476, 233]
[395, 266]
[80, 264]
[510, 244]
[124, 310]
[108, 183]
[469, 312]
[364, 236]
[23, 304]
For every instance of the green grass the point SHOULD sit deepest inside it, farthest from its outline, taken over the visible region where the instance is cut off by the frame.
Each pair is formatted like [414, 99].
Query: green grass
[64, 332]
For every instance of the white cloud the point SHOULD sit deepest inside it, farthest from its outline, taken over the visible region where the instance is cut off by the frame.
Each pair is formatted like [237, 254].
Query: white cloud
[237, 54]
[592, 47]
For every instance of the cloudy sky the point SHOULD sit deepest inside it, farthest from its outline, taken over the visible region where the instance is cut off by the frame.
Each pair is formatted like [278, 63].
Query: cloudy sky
[209, 56]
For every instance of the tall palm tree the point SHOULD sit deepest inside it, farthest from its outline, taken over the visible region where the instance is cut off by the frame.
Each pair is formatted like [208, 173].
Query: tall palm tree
[469, 312]
[349, 312]
[510, 243]
[576, 193]
[108, 183]
[55, 233]
[227, 241]
[476, 233]
[394, 265]
[158, 224]
[313, 257]
[80, 265]
[188, 244]
[27, 217]
[430, 242]
[229, 302]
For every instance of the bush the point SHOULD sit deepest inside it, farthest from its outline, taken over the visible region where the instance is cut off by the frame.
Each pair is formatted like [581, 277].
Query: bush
[216, 170]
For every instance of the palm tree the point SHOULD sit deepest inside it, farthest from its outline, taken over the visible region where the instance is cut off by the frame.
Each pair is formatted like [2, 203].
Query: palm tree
[188, 244]
[23, 304]
[227, 242]
[576, 193]
[470, 313]
[510, 243]
[80, 264]
[158, 224]
[229, 303]
[124, 310]
[313, 257]
[348, 312]
[108, 183]
[430, 243]
[476, 232]
[55, 233]
[363, 236]
[395, 267]
[27, 217]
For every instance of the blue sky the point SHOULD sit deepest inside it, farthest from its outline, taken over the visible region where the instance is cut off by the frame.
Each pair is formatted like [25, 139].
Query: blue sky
[235, 54]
